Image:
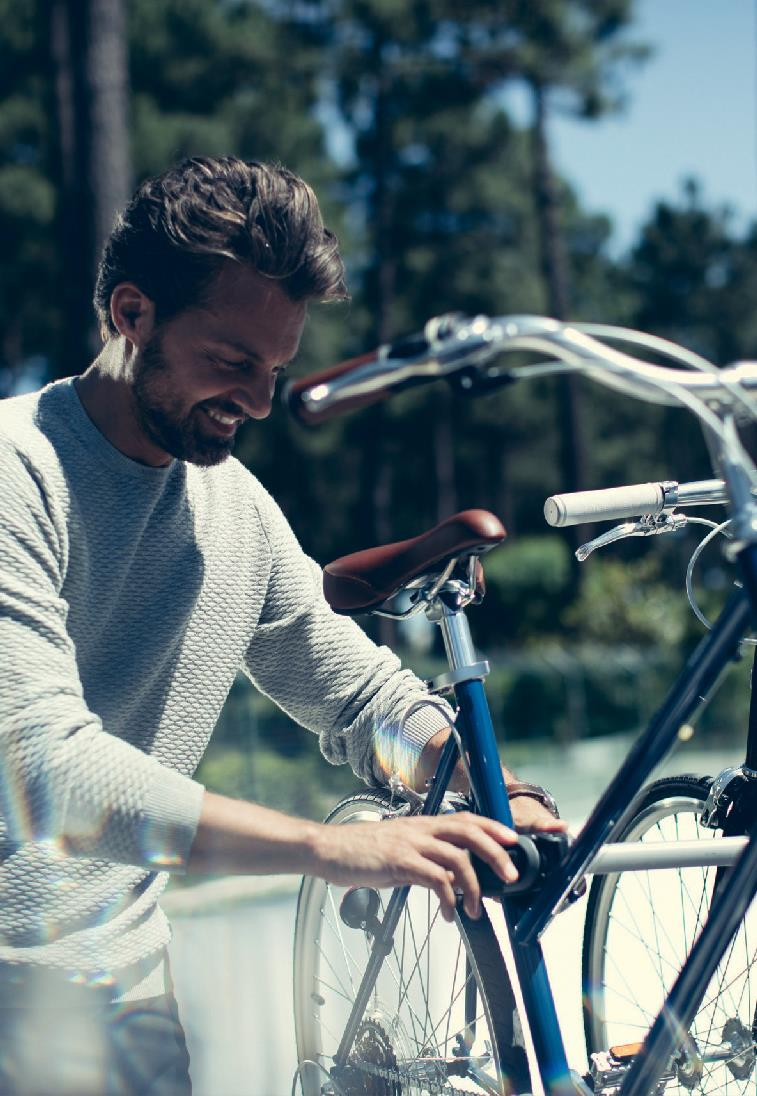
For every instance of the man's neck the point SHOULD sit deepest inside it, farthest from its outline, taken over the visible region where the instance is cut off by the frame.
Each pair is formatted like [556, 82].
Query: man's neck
[105, 391]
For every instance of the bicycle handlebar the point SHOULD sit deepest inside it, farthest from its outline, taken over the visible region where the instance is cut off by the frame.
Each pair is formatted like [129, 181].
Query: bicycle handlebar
[630, 501]
[458, 346]
[464, 349]
[370, 378]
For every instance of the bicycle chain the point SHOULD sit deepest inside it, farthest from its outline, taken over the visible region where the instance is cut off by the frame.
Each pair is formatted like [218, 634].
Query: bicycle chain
[401, 1076]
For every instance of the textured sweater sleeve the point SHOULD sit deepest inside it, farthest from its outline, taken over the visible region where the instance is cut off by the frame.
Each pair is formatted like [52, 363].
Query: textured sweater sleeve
[325, 672]
[63, 778]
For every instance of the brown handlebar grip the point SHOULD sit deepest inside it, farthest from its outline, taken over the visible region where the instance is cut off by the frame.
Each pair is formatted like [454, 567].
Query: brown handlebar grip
[295, 391]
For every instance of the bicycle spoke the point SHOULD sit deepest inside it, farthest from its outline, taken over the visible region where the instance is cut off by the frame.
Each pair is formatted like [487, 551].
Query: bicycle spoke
[454, 979]
[330, 965]
[646, 924]
[336, 927]
[416, 1020]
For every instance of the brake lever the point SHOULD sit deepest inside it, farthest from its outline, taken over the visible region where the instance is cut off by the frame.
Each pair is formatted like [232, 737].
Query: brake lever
[648, 526]
[471, 381]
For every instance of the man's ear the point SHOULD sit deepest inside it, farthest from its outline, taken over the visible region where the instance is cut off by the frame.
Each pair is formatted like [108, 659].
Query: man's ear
[133, 313]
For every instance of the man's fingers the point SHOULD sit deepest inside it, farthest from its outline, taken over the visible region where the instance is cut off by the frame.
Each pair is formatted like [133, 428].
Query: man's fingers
[464, 877]
[440, 882]
[489, 828]
[482, 836]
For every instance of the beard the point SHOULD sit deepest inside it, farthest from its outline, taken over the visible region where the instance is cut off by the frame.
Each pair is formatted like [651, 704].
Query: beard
[163, 417]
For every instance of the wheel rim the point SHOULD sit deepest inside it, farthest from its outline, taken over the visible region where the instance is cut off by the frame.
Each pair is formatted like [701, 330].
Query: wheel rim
[645, 925]
[415, 1021]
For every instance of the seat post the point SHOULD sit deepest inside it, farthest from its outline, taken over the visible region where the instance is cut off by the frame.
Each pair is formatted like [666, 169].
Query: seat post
[447, 609]
[457, 638]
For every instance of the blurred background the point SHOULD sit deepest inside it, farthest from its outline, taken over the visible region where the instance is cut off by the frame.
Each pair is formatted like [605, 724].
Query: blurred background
[586, 159]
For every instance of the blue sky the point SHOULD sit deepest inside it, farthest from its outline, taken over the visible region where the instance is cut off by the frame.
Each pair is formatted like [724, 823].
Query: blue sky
[692, 111]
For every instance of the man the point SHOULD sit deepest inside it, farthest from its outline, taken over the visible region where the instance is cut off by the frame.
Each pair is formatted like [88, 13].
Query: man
[140, 569]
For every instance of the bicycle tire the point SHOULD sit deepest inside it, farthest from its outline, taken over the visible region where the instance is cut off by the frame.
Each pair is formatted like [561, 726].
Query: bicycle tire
[639, 929]
[408, 1027]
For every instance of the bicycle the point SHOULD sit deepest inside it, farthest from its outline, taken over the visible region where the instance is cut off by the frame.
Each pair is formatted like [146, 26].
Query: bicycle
[371, 1025]
[623, 909]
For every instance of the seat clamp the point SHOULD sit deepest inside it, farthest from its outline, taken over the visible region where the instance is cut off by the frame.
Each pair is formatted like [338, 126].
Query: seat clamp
[444, 682]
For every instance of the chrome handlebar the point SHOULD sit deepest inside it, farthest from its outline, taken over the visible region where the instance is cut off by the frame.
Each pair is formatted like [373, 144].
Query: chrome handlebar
[466, 349]
[450, 344]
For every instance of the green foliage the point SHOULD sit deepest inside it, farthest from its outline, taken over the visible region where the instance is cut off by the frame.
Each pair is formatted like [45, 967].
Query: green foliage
[393, 110]
[207, 79]
[527, 585]
[629, 601]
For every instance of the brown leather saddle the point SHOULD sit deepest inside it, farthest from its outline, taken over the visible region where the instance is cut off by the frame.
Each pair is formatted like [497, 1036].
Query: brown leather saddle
[365, 580]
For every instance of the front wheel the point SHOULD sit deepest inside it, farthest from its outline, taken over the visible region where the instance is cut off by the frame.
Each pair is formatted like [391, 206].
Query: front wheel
[441, 1018]
[639, 929]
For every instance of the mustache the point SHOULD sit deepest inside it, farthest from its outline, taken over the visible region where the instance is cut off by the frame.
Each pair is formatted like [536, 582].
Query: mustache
[226, 407]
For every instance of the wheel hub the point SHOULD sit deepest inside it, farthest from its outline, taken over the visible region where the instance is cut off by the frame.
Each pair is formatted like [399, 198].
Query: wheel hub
[689, 1066]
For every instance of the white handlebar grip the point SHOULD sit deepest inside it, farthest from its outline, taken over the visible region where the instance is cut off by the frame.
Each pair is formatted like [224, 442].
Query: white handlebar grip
[614, 502]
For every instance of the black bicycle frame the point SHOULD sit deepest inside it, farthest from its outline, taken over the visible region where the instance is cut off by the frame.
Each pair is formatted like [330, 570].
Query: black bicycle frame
[527, 919]
[688, 695]
[729, 905]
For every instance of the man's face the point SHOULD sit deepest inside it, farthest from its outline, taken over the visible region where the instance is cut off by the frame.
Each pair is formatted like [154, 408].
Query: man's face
[208, 369]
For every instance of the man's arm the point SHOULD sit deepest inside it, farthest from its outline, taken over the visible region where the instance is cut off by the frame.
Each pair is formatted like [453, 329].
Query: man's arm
[244, 838]
[527, 812]
[325, 672]
[65, 779]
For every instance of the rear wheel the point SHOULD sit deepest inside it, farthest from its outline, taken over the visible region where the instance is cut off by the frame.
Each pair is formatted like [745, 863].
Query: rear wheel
[442, 1017]
[640, 927]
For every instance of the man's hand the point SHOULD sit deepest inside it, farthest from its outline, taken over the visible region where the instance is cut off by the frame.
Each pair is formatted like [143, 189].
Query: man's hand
[430, 851]
[245, 838]
[528, 813]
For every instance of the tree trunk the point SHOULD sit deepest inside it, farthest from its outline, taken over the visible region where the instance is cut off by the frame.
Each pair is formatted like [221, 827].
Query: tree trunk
[376, 477]
[89, 62]
[571, 420]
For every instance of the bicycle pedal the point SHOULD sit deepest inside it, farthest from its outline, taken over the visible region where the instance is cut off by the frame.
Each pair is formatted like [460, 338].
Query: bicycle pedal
[608, 1070]
[625, 1051]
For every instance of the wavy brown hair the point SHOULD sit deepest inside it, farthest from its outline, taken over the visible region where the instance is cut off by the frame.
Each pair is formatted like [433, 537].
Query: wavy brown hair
[182, 225]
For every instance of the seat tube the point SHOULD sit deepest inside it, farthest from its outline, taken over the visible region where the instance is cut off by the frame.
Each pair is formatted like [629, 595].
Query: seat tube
[475, 721]
[477, 735]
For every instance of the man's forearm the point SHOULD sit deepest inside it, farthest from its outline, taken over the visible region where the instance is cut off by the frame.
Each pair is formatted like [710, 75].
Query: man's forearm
[532, 807]
[242, 838]
[432, 851]
[429, 760]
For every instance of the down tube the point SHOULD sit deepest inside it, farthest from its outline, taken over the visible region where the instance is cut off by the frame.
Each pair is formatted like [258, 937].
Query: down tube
[688, 694]
[475, 726]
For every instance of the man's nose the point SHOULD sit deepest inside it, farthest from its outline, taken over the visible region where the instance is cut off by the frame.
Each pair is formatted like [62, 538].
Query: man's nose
[255, 397]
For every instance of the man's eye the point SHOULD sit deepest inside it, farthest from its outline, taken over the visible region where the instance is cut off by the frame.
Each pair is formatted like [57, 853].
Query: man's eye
[234, 365]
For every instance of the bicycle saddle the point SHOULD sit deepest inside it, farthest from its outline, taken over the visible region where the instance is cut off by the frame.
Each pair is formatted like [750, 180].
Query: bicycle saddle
[364, 580]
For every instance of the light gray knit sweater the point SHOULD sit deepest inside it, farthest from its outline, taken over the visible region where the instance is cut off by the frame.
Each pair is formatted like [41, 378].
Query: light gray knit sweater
[130, 596]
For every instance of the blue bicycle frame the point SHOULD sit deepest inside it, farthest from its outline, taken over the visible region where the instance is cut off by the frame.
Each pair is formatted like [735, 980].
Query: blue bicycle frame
[528, 916]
